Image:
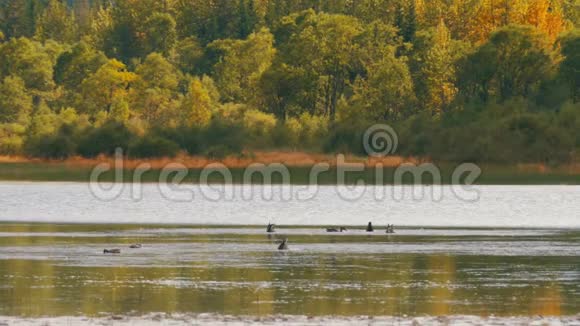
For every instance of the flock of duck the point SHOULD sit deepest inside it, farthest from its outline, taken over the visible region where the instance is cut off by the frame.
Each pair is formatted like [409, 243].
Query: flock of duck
[271, 228]
[284, 244]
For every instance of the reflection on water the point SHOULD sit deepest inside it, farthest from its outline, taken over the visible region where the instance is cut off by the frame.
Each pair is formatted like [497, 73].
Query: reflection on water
[59, 270]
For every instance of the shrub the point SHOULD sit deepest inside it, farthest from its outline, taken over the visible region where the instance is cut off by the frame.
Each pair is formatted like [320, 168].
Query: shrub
[105, 140]
[223, 139]
[313, 130]
[59, 146]
[345, 139]
[259, 126]
[187, 138]
[11, 138]
[153, 146]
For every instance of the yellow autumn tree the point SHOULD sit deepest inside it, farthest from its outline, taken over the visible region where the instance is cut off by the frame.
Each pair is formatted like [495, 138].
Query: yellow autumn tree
[488, 15]
[547, 16]
[197, 105]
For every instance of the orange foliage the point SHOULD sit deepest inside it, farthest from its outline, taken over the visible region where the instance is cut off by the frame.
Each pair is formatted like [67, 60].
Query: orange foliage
[476, 20]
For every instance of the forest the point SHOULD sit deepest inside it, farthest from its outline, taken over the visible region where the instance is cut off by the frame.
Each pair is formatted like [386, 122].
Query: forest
[460, 80]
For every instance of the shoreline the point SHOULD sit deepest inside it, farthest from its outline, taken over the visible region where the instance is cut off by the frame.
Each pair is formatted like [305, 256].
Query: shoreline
[491, 174]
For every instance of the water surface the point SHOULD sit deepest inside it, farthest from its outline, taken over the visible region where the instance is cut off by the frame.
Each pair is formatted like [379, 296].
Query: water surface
[515, 251]
[60, 270]
[495, 206]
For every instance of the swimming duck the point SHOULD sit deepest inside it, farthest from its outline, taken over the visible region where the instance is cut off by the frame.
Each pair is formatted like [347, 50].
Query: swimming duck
[271, 228]
[136, 246]
[283, 245]
[370, 227]
[112, 251]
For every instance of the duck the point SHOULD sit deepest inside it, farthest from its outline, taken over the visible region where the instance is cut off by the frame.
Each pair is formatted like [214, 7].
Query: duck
[136, 246]
[271, 228]
[283, 245]
[370, 227]
[112, 251]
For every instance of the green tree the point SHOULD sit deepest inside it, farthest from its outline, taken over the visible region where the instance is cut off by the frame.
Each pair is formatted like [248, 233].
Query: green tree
[570, 66]
[208, 20]
[57, 23]
[386, 94]
[572, 9]
[18, 18]
[30, 61]
[188, 55]
[161, 33]
[104, 88]
[76, 64]
[326, 46]
[15, 102]
[406, 19]
[132, 32]
[155, 91]
[100, 29]
[241, 65]
[513, 62]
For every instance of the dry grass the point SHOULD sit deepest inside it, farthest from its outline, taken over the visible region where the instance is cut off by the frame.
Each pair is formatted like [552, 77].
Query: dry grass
[533, 168]
[290, 159]
[287, 158]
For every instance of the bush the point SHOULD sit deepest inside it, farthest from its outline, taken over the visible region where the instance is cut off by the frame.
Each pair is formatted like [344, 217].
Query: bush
[287, 134]
[153, 146]
[221, 139]
[12, 137]
[313, 130]
[345, 139]
[219, 152]
[58, 147]
[187, 138]
[105, 140]
[259, 126]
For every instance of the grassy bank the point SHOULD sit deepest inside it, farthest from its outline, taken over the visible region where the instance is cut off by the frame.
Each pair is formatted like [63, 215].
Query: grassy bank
[491, 174]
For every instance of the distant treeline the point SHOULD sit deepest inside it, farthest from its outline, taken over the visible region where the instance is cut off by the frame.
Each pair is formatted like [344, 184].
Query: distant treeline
[460, 80]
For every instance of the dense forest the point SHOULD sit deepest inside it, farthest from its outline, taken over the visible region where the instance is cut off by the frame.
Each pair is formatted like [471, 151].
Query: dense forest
[460, 80]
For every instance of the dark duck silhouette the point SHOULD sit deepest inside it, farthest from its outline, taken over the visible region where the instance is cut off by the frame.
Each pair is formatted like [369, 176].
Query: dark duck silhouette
[112, 251]
[136, 246]
[370, 227]
[271, 228]
[283, 245]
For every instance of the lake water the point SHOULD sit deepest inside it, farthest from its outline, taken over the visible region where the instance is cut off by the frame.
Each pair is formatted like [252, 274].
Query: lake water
[60, 270]
[454, 269]
[494, 206]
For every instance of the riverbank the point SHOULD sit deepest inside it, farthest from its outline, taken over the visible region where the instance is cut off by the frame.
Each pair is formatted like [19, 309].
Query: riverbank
[299, 166]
